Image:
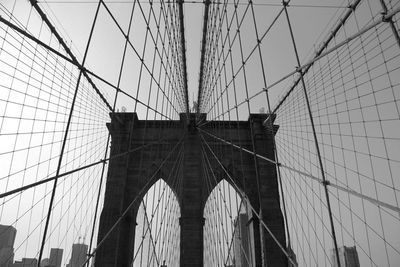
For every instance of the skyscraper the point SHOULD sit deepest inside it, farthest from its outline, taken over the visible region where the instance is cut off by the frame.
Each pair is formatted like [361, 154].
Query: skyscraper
[55, 257]
[6, 256]
[242, 242]
[26, 262]
[292, 255]
[7, 239]
[78, 255]
[45, 263]
[348, 257]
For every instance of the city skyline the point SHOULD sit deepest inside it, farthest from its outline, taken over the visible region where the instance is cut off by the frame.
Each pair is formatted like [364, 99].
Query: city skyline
[55, 259]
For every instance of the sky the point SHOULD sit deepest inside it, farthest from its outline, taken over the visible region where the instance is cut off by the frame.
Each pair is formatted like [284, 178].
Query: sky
[106, 48]
[353, 93]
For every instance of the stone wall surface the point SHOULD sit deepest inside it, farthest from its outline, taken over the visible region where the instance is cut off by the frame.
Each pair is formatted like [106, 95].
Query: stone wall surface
[156, 145]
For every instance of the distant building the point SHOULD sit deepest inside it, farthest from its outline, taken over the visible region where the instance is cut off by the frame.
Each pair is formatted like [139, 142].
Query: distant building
[242, 242]
[7, 236]
[45, 263]
[292, 255]
[7, 239]
[348, 257]
[55, 257]
[6, 257]
[26, 262]
[78, 255]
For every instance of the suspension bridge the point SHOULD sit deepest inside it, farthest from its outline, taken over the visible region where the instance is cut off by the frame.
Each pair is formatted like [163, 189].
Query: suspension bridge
[199, 133]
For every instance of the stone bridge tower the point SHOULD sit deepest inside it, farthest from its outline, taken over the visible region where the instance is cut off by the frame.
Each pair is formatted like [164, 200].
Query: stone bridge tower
[131, 174]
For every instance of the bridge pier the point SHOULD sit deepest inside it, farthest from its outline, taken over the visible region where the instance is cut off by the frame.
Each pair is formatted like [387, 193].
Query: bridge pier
[191, 199]
[128, 181]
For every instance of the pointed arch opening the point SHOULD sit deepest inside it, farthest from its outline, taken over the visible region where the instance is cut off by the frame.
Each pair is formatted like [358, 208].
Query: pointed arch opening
[228, 238]
[157, 232]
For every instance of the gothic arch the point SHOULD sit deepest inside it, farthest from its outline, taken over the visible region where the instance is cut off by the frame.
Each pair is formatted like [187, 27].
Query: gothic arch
[131, 176]
[235, 217]
[151, 216]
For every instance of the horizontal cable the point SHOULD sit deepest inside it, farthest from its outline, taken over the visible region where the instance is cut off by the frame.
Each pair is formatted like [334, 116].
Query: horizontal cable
[345, 189]
[245, 197]
[78, 65]
[76, 170]
[66, 48]
[309, 63]
[149, 180]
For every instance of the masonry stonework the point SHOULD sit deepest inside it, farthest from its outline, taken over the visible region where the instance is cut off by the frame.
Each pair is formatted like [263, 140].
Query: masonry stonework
[155, 146]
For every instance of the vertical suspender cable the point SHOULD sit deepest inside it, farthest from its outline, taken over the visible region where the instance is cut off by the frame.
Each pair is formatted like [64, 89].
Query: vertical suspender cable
[35, 5]
[109, 135]
[325, 182]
